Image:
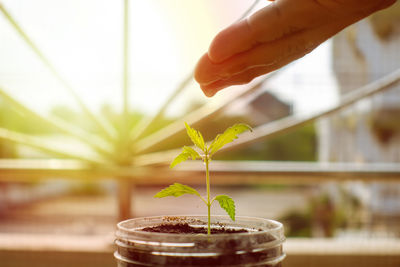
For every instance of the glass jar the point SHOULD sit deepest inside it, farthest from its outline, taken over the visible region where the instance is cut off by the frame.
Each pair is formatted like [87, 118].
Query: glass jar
[260, 246]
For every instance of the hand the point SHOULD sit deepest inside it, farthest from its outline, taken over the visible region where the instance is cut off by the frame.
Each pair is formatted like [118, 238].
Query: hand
[274, 36]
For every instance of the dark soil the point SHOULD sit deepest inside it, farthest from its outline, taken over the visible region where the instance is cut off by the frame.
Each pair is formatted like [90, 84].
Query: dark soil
[185, 228]
[227, 249]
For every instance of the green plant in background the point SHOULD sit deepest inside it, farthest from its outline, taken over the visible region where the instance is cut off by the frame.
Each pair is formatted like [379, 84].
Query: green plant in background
[206, 153]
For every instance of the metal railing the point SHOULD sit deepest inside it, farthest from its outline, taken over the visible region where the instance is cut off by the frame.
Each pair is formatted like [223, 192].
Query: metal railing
[146, 159]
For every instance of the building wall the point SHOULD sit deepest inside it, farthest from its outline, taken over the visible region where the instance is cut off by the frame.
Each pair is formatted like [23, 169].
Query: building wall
[369, 131]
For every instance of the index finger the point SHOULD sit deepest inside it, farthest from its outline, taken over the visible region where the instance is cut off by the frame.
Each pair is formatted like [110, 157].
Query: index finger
[239, 37]
[270, 23]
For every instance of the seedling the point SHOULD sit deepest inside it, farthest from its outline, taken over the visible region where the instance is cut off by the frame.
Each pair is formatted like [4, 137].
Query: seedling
[206, 153]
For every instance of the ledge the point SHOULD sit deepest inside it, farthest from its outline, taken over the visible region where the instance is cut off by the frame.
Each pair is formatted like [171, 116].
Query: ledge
[77, 251]
[224, 172]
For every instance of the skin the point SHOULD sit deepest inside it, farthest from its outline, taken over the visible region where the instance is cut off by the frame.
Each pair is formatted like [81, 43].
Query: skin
[274, 36]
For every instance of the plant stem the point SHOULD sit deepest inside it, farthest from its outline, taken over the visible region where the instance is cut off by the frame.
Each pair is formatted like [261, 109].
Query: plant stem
[208, 194]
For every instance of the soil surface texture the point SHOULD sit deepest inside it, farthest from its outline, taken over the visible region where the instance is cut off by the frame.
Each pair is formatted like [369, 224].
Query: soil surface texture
[185, 228]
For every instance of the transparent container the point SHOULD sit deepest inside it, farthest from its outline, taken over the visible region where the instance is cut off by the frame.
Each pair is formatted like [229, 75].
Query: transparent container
[261, 246]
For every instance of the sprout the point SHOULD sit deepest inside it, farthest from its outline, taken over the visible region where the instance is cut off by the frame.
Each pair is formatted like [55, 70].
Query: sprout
[219, 141]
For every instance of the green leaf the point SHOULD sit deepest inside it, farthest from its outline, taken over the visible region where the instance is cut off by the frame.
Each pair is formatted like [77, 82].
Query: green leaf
[195, 136]
[228, 136]
[176, 190]
[187, 152]
[227, 204]
[193, 153]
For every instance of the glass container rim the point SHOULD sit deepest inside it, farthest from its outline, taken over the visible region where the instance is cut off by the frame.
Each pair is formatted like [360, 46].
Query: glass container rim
[123, 230]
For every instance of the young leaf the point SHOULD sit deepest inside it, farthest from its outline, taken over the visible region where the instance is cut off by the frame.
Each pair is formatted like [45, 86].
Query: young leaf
[176, 190]
[193, 153]
[195, 136]
[187, 152]
[227, 204]
[228, 136]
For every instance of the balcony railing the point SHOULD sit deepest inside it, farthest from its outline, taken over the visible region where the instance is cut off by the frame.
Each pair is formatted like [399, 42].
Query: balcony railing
[150, 167]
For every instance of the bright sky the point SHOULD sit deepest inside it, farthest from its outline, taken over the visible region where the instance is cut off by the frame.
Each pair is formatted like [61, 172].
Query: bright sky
[83, 39]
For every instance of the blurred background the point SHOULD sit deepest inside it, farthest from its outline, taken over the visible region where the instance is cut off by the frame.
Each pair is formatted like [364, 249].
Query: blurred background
[93, 96]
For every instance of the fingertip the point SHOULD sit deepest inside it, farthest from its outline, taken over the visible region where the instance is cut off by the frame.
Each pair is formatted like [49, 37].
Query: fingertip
[206, 71]
[212, 89]
[230, 41]
[208, 92]
[200, 71]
